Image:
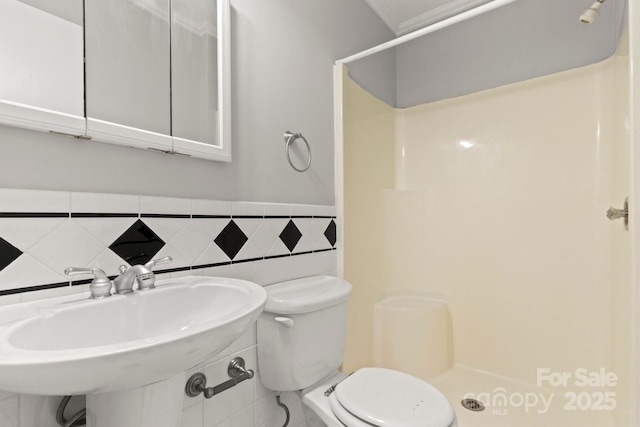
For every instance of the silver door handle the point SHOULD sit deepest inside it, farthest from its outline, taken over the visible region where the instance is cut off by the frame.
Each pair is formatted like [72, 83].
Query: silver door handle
[623, 213]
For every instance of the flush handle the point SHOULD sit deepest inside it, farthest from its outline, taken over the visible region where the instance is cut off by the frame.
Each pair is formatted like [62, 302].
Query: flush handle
[286, 321]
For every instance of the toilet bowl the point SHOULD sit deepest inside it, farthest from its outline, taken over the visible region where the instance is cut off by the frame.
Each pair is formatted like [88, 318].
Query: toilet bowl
[379, 397]
[301, 337]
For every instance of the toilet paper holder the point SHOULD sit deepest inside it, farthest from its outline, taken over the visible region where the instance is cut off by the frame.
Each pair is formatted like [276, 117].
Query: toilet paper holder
[197, 383]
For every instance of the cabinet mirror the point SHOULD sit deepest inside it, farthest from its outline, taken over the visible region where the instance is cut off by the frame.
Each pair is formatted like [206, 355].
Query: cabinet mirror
[157, 75]
[150, 74]
[41, 66]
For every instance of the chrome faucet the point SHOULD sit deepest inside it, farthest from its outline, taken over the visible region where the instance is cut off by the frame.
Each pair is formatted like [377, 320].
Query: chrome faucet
[143, 274]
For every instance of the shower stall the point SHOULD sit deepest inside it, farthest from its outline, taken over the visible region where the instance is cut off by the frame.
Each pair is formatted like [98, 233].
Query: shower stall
[492, 200]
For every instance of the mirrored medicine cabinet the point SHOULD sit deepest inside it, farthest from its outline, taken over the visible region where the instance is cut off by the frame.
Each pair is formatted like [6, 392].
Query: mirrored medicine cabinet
[150, 74]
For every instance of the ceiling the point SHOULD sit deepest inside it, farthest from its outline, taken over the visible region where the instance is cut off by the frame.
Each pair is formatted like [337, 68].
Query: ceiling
[404, 16]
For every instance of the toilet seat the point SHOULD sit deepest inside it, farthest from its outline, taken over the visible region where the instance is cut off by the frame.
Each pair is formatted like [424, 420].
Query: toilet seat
[384, 398]
[345, 416]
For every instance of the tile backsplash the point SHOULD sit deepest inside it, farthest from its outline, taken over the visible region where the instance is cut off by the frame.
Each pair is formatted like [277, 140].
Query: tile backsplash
[44, 232]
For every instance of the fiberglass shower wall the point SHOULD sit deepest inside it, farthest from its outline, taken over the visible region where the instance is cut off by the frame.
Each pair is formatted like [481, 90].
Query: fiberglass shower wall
[496, 202]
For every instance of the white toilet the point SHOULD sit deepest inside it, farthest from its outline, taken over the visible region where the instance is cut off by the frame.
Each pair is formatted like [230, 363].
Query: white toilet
[301, 338]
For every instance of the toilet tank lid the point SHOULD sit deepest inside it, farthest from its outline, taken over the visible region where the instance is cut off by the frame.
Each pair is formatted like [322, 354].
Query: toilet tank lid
[306, 295]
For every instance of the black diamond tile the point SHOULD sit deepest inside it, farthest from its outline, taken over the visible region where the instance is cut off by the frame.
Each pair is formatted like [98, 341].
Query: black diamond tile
[231, 239]
[290, 236]
[138, 245]
[8, 253]
[330, 233]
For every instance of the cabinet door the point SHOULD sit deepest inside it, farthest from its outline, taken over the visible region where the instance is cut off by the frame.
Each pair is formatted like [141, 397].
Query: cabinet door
[194, 63]
[41, 66]
[128, 72]
[199, 76]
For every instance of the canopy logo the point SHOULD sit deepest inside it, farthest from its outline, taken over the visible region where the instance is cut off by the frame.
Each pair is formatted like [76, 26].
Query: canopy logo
[579, 390]
[499, 401]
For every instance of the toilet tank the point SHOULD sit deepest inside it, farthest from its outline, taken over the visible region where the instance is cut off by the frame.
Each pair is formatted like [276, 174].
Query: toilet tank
[302, 331]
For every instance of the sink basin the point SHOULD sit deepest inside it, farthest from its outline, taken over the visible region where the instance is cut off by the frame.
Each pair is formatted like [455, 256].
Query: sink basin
[74, 345]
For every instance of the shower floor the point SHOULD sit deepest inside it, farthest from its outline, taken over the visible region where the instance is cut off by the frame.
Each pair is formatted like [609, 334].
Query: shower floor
[509, 398]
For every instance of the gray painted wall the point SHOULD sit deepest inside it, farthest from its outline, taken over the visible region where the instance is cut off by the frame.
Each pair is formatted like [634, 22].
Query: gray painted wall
[520, 41]
[377, 73]
[283, 52]
[517, 42]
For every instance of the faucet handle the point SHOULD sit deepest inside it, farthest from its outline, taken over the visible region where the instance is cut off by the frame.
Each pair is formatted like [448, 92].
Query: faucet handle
[147, 280]
[100, 286]
[155, 262]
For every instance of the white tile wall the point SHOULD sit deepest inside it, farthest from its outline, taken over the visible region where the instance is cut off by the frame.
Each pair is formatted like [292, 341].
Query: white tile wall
[9, 410]
[51, 244]
[75, 238]
[246, 405]
[15, 200]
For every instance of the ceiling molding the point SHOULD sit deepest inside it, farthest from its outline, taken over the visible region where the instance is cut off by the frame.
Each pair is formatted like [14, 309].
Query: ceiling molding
[438, 14]
[389, 10]
[383, 9]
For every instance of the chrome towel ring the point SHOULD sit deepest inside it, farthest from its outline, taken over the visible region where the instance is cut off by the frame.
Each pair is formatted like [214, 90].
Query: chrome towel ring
[290, 137]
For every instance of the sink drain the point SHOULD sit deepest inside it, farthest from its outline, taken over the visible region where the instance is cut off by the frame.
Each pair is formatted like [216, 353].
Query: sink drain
[472, 405]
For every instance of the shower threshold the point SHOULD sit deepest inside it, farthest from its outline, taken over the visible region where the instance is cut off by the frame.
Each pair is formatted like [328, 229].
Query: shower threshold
[510, 403]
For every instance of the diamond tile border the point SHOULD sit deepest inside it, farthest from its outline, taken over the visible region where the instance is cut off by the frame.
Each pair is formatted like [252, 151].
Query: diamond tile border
[107, 212]
[138, 244]
[290, 236]
[231, 239]
[8, 253]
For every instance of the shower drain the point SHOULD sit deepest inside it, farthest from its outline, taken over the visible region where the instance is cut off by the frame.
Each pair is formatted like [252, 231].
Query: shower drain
[472, 405]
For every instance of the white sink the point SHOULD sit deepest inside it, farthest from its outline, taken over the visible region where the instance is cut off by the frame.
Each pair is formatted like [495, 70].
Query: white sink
[74, 345]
